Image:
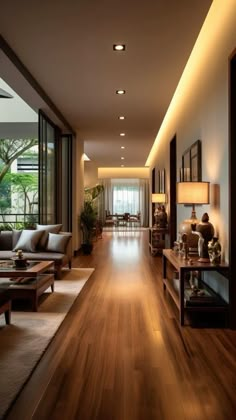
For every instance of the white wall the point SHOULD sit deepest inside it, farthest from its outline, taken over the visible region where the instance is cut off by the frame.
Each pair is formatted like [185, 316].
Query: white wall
[90, 174]
[199, 110]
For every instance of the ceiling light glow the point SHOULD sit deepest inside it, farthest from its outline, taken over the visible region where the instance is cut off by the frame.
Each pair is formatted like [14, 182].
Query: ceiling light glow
[122, 147]
[122, 134]
[120, 92]
[121, 117]
[119, 47]
[122, 158]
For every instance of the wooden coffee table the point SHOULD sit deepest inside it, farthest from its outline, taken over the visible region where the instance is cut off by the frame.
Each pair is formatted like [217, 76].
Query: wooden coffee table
[26, 283]
[5, 305]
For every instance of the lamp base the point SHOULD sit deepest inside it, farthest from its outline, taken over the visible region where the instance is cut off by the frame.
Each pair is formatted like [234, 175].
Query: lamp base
[185, 227]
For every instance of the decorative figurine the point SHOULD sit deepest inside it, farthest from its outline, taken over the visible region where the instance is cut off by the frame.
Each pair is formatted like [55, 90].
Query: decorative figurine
[160, 217]
[214, 250]
[19, 254]
[205, 231]
[19, 260]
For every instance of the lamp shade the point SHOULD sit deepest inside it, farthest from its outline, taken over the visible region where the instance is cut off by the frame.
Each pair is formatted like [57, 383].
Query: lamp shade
[192, 193]
[159, 198]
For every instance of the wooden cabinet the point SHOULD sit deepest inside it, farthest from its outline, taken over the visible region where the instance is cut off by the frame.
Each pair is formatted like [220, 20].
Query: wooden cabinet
[176, 275]
[157, 239]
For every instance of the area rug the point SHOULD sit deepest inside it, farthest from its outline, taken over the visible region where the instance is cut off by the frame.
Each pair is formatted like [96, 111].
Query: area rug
[23, 343]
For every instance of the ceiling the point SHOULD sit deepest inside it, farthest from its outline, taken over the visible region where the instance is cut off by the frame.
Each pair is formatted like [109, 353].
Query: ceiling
[67, 45]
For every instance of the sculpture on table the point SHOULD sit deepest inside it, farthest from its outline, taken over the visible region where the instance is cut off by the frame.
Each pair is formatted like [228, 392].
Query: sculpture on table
[160, 217]
[214, 250]
[205, 231]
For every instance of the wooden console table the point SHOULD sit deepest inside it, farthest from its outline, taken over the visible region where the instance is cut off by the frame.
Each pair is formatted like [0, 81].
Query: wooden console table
[183, 267]
[5, 305]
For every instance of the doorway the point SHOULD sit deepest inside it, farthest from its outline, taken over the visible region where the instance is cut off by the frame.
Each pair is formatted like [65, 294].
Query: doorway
[172, 218]
[232, 191]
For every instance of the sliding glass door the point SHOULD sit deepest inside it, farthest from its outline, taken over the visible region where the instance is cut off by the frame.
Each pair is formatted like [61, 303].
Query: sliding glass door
[55, 174]
[48, 134]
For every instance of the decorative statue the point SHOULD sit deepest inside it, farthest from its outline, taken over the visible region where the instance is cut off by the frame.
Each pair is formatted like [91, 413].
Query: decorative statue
[214, 250]
[205, 231]
[160, 216]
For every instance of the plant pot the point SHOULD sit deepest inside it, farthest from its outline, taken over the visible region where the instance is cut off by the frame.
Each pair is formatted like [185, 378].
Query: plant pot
[87, 248]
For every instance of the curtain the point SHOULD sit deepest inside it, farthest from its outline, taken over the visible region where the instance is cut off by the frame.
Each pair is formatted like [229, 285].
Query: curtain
[127, 196]
[144, 208]
[106, 199]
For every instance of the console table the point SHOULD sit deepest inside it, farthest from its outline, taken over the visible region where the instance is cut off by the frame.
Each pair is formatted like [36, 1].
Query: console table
[176, 286]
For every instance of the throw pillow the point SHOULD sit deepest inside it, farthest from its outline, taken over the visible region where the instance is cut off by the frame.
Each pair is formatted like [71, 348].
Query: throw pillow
[47, 229]
[28, 240]
[5, 240]
[15, 237]
[57, 242]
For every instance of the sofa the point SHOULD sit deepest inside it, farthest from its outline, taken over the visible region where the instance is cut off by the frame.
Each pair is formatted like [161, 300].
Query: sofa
[46, 242]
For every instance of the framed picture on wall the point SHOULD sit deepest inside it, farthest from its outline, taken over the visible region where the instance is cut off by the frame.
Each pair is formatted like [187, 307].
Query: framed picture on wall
[186, 165]
[153, 180]
[162, 181]
[157, 181]
[196, 164]
[191, 163]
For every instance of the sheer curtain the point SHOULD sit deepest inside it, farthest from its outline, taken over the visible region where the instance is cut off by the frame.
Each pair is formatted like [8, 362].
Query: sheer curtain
[127, 196]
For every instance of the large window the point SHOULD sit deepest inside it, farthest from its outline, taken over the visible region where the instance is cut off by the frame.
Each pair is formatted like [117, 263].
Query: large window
[126, 196]
[18, 182]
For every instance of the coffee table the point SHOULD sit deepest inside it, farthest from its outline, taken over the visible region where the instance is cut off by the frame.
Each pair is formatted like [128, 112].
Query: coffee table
[26, 283]
[5, 306]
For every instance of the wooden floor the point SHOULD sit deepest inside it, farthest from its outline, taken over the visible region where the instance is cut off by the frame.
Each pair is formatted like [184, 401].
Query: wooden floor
[121, 353]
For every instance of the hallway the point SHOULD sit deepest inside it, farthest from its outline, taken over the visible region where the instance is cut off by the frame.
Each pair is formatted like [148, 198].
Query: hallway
[121, 354]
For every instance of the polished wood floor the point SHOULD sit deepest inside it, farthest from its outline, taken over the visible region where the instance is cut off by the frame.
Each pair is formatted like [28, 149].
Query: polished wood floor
[121, 354]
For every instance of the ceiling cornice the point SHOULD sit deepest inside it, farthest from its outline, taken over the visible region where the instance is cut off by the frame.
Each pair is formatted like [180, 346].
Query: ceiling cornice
[4, 46]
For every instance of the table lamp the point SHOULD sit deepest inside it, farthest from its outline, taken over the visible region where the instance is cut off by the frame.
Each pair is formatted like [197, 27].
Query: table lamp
[192, 193]
[160, 215]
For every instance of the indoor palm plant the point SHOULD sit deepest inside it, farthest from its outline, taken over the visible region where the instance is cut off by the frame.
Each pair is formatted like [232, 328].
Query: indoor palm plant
[87, 223]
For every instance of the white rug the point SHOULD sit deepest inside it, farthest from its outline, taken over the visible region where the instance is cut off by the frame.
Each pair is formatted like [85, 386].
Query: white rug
[23, 343]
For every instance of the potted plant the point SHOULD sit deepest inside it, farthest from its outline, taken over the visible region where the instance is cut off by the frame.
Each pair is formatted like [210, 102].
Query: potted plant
[87, 222]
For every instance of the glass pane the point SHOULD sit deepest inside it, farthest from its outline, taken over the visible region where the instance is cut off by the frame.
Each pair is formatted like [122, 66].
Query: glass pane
[47, 170]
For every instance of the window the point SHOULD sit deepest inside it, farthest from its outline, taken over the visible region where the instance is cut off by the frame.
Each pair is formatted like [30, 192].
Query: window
[126, 196]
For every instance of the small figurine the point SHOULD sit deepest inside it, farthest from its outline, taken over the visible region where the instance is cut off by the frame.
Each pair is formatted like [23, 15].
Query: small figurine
[214, 250]
[205, 231]
[160, 216]
[19, 254]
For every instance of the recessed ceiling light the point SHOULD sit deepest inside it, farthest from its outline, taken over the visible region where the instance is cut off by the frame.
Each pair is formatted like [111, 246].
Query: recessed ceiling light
[122, 158]
[122, 147]
[121, 117]
[122, 134]
[120, 92]
[119, 47]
